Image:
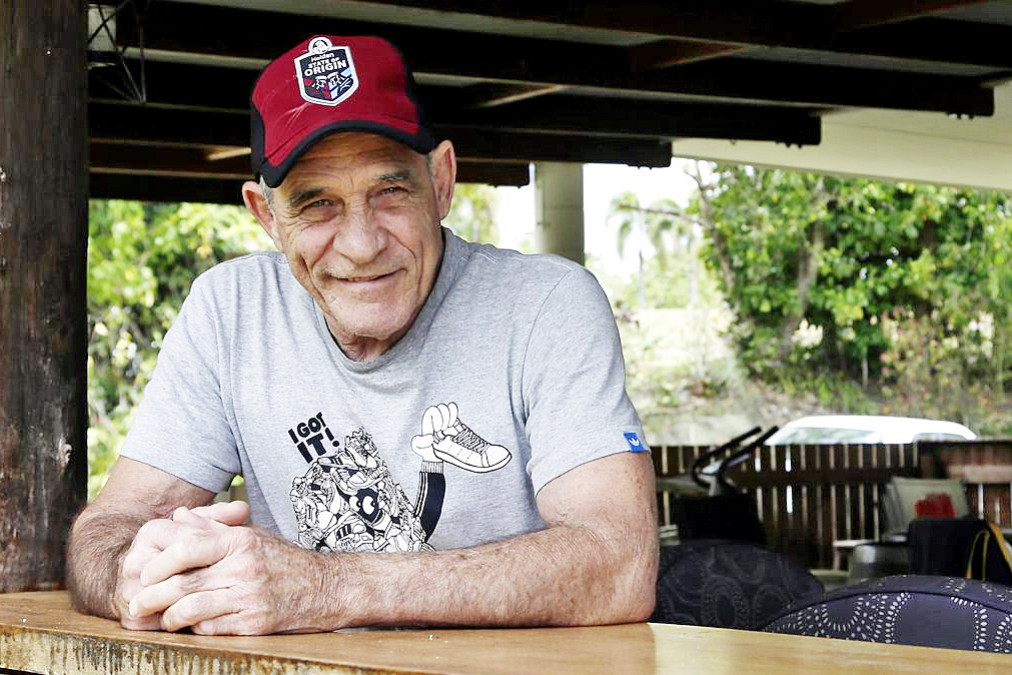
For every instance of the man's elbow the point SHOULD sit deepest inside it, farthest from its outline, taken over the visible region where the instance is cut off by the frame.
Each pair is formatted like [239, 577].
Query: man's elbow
[640, 593]
[633, 588]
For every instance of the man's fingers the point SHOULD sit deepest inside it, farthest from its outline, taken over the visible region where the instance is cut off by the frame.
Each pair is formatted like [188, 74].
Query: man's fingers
[226, 513]
[153, 537]
[218, 612]
[195, 549]
[191, 518]
[452, 407]
[157, 598]
[197, 609]
[152, 622]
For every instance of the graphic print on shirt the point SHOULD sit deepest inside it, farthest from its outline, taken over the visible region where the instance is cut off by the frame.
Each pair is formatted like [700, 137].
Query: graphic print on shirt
[445, 438]
[347, 501]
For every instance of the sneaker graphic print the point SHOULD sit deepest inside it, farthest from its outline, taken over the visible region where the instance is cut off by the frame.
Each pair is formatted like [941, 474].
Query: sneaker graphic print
[455, 442]
[347, 501]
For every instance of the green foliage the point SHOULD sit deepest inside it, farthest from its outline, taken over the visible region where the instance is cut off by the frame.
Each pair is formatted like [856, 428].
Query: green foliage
[141, 261]
[842, 254]
[472, 215]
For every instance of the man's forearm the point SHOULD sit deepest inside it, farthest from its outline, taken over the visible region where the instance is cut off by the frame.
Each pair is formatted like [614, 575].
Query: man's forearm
[559, 576]
[98, 540]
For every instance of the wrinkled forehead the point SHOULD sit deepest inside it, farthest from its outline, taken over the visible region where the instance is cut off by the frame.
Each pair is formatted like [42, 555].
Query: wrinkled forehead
[355, 157]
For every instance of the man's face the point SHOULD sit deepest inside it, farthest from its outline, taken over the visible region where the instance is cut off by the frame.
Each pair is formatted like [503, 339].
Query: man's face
[358, 219]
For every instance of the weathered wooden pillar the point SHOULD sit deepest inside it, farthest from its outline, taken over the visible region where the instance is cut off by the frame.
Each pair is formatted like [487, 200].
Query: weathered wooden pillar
[43, 316]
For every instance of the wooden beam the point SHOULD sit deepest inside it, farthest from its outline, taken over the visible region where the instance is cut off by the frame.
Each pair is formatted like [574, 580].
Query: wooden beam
[483, 144]
[942, 42]
[829, 86]
[855, 14]
[200, 29]
[43, 262]
[112, 122]
[164, 160]
[733, 21]
[591, 116]
[492, 173]
[539, 130]
[488, 95]
[668, 53]
[149, 188]
[176, 188]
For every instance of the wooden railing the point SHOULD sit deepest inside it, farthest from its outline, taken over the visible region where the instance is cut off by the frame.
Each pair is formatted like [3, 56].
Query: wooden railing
[810, 496]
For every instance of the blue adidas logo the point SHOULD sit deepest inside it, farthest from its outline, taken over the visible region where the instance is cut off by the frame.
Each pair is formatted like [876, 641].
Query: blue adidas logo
[635, 444]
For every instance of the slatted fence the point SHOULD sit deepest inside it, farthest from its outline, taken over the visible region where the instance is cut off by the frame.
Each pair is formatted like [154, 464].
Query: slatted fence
[810, 496]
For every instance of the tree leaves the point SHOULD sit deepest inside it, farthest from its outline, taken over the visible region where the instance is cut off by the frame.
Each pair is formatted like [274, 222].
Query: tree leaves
[142, 259]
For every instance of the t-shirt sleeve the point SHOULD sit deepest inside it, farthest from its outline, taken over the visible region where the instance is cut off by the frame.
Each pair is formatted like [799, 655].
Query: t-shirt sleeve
[181, 426]
[576, 405]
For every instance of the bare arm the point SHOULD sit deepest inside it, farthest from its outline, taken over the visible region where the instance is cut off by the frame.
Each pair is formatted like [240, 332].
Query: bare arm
[103, 532]
[595, 563]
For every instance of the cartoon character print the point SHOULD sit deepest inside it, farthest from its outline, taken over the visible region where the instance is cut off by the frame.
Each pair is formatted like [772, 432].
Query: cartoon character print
[347, 501]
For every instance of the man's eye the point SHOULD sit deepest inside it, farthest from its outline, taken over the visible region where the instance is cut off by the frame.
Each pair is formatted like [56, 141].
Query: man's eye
[393, 189]
[319, 203]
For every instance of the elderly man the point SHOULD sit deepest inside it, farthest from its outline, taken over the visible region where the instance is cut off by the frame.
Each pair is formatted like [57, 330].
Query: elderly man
[430, 431]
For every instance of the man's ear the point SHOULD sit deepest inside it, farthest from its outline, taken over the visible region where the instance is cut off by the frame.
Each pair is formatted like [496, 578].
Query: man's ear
[443, 166]
[257, 204]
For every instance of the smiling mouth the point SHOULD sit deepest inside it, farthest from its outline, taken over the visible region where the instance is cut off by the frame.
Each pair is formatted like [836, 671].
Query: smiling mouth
[365, 279]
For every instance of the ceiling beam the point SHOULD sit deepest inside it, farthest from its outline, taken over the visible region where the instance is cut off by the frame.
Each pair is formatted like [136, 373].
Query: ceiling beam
[828, 86]
[932, 41]
[164, 160]
[205, 132]
[112, 122]
[742, 22]
[597, 68]
[587, 129]
[487, 95]
[165, 188]
[668, 53]
[182, 174]
[588, 116]
[856, 14]
[225, 31]
[481, 144]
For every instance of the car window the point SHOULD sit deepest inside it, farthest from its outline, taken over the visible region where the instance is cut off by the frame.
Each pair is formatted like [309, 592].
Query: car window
[819, 435]
[936, 436]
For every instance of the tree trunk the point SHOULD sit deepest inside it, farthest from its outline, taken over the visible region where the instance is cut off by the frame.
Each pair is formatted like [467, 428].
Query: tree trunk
[808, 271]
[43, 315]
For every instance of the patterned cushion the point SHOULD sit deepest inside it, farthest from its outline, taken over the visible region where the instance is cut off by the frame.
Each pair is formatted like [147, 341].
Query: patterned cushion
[914, 610]
[727, 584]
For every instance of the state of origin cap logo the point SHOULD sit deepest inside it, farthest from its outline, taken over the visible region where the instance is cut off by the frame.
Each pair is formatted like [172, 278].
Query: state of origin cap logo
[326, 74]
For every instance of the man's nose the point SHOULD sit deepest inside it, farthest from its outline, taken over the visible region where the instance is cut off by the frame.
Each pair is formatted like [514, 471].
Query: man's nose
[361, 239]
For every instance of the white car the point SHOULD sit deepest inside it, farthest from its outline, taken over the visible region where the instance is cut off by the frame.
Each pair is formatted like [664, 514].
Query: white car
[830, 429]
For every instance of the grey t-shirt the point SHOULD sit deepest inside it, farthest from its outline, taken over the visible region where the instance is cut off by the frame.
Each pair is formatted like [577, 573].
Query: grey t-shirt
[522, 349]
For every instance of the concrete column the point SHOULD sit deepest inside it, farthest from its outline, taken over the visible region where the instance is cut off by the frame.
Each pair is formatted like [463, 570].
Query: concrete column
[558, 195]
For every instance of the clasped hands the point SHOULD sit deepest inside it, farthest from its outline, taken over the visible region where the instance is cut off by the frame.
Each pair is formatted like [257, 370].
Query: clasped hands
[202, 568]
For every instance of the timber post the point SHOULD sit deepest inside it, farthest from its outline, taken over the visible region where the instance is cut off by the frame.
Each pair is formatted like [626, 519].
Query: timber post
[43, 312]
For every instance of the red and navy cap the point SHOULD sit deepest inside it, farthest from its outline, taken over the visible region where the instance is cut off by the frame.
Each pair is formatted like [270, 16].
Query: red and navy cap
[328, 84]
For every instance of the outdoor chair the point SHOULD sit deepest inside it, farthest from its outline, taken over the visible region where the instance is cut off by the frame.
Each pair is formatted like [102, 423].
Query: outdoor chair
[722, 511]
[930, 611]
[959, 547]
[728, 584]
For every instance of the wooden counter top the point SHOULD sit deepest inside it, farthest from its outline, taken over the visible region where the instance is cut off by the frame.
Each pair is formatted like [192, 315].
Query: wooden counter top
[39, 633]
